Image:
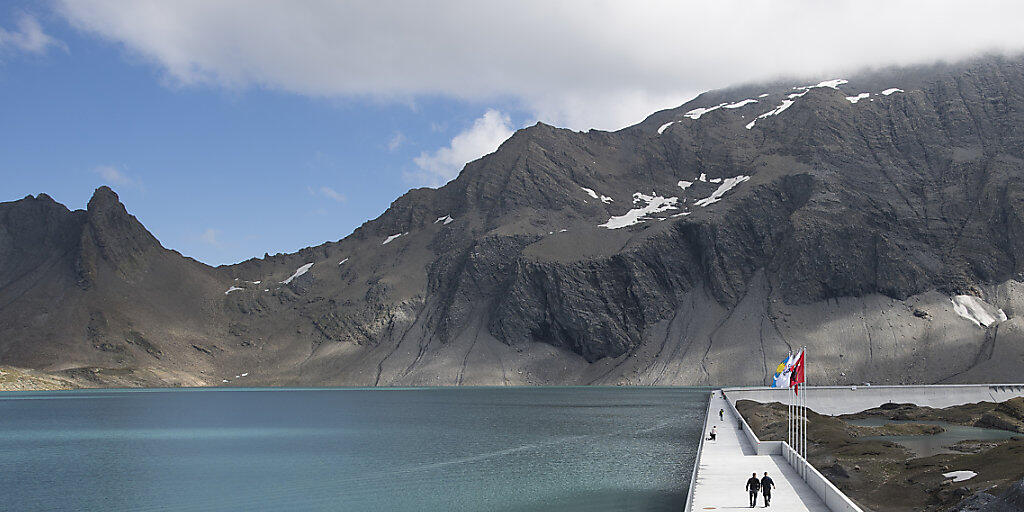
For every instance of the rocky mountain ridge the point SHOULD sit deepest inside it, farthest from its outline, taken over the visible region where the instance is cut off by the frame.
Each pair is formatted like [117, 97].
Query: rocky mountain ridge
[875, 219]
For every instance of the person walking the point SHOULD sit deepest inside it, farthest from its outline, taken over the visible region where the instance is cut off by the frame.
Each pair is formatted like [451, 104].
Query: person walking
[721, 414]
[766, 489]
[753, 485]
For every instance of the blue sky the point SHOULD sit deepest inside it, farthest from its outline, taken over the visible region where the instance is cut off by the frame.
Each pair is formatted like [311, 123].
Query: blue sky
[219, 175]
[232, 128]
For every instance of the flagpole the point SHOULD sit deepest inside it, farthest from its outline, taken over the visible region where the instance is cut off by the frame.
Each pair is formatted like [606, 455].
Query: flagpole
[790, 421]
[805, 424]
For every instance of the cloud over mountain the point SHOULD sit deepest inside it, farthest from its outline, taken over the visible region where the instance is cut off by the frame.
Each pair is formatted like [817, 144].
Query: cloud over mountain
[578, 64]
[486, 134]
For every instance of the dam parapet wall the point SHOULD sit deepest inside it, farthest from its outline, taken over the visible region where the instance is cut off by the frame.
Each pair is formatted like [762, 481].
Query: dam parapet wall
[833, 400]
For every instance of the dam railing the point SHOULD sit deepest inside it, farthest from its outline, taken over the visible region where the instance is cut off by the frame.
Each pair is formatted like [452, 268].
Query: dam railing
[834, 499]
[696, 457]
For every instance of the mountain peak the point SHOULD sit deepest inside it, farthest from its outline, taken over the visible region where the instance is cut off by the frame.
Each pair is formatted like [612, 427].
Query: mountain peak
[104, 198]
[113, 234]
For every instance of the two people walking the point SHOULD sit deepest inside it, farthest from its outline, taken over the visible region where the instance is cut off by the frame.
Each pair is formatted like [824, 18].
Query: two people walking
[764, 485]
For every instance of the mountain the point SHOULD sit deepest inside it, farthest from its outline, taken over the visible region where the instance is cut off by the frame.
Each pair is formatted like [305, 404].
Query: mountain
[877, 219]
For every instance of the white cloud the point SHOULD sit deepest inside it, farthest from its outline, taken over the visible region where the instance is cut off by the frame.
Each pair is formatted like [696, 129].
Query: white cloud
[396, 141]
[116, 177]
[28, 37]
[575, 63]
[211, 237]
[332, 194]
[444, 164]
[327, 192]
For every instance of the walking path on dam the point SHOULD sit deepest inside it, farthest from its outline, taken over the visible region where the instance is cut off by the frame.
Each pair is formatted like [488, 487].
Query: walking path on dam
[724, 465]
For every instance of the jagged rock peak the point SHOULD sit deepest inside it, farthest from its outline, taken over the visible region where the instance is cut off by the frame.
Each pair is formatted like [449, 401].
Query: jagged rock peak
[104, 198]
[118, 235]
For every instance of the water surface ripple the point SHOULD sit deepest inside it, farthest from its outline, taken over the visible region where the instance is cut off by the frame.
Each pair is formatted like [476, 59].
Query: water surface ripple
[436, 449]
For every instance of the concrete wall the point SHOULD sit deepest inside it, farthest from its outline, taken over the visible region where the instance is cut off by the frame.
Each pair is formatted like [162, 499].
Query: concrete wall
[757, 446]
[834, 499]
[696, 459]
[834, 400]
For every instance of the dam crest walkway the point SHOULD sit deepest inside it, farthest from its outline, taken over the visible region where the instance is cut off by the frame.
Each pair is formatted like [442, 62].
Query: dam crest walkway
[724, 465]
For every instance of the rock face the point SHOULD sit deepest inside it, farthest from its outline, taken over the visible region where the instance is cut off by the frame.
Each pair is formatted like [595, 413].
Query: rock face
[1010, 501]
[696, 247]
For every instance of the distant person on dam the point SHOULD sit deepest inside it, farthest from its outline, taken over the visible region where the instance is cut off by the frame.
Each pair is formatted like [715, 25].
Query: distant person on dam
[721, 414]
[753, 485]
[714, 433]
[766, 489]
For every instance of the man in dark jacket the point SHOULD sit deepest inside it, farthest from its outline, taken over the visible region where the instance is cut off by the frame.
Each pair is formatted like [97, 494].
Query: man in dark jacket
[753, 485]
[766, 489]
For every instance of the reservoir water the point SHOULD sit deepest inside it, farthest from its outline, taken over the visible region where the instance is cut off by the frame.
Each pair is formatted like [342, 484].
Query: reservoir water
[434, 449]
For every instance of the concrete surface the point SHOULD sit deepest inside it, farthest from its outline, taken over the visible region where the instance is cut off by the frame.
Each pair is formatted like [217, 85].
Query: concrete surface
[724, 465]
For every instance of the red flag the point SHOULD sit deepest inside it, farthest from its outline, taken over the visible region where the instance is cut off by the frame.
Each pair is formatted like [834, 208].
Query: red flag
[797, 377]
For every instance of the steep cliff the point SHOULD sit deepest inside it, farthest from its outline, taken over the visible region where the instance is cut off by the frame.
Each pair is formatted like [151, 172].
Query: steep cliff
[876, 219]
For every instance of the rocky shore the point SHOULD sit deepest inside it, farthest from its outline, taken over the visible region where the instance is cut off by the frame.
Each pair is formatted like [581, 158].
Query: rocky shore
[20, 379]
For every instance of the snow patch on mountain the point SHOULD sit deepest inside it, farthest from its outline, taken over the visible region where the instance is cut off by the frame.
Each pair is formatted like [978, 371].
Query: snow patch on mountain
[890, 91]
[233, 289]
[697, 112]
[654, 204]
[960, 476]
[775, 111]
[342, 262]
[683, 184]
[855, 99]
[976, 310]
[722, 189]
[301, 270]
[741, 103]
[802, 90]
[392, 237]
[446, 219]
[832, 84]
[662, 128]
[590, 192]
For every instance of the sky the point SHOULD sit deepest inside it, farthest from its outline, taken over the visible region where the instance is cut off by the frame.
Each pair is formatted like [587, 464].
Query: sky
[236, 128]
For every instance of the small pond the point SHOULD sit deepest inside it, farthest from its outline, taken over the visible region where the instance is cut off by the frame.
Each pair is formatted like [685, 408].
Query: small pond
[928, 445]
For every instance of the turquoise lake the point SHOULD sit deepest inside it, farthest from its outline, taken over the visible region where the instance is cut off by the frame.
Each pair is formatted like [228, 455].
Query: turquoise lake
[434, 449]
